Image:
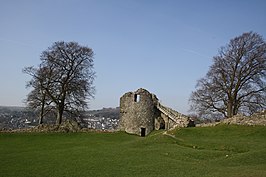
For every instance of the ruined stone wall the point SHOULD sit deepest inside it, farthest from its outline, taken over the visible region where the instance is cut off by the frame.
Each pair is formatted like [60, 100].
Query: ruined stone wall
[141, 112]
[173, 118]
[138, 112]
[255, 119]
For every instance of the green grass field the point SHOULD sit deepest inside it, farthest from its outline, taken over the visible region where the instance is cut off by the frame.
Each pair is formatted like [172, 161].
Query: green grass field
[221, 151]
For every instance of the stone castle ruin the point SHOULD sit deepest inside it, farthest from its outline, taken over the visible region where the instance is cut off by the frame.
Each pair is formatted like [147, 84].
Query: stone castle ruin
[141, 113]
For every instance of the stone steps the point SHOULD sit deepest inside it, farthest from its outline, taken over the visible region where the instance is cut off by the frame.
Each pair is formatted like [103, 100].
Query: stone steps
[175, 116]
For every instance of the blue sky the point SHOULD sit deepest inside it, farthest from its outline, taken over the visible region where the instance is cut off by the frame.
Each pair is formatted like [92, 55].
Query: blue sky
[164, 46]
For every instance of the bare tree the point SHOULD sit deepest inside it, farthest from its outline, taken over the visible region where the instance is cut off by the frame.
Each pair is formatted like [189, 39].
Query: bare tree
[38, 99]
[65, 77]
[236, 82]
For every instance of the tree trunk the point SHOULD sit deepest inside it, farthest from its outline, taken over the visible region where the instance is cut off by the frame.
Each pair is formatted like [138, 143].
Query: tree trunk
[42, 110]
[41, 117]
[236, 107]
[60, 114]
[229, 109]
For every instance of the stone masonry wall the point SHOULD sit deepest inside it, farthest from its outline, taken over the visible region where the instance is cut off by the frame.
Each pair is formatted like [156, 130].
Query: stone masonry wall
[255, 119]
[137, 112]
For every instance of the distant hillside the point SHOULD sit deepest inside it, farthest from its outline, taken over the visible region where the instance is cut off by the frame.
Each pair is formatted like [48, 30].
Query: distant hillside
[22, 117]
[11, 108]
[106, 112]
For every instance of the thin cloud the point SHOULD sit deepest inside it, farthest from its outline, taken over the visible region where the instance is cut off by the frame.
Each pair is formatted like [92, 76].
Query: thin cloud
[15, 42]
[194, 52]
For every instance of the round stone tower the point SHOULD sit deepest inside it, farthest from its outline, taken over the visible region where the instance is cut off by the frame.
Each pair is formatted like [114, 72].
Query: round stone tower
[137, 112]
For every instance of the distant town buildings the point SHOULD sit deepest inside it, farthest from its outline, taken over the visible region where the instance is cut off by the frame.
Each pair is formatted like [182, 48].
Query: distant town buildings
[19, 118]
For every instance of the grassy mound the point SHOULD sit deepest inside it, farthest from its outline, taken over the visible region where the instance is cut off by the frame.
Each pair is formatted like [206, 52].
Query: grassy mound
[211, 151]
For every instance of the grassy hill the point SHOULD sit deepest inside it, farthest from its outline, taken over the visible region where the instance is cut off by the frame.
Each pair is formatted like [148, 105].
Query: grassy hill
[231, 151]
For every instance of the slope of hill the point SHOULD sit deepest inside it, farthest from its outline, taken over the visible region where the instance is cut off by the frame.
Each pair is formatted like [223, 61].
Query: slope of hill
[224, 150]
